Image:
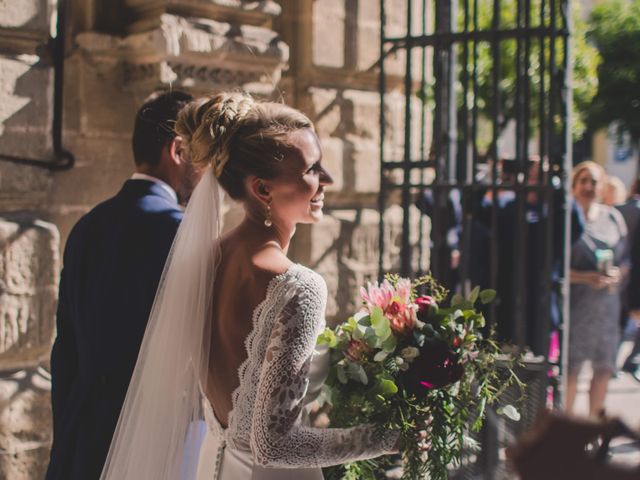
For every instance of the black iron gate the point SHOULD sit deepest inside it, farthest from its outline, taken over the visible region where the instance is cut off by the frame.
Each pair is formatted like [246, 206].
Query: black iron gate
[485, 154]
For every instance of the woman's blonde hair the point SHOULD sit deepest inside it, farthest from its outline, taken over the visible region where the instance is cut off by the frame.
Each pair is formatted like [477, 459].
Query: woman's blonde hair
[587, 165]
[238, 136]
[616, 190]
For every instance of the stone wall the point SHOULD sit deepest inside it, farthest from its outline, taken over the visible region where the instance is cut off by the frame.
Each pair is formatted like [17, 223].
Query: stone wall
[29, 246]
[317, 55]
[334, 78]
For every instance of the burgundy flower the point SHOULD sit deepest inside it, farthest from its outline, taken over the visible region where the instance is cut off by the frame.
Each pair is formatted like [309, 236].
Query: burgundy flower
[436, 367]
[426, 305]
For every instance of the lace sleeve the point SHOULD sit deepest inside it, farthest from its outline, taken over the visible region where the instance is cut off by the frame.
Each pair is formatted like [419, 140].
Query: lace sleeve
[278, 439]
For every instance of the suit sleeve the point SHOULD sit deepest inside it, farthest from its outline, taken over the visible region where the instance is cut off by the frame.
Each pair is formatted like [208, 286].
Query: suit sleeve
[278, 438]
[64, 355]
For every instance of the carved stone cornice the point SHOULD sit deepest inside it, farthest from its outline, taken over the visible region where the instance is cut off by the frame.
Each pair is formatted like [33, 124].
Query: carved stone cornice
[145, 14]
[15, 41]
[194, 53]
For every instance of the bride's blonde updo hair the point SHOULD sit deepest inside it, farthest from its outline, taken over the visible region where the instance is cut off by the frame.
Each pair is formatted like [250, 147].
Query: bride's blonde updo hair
[238, 136]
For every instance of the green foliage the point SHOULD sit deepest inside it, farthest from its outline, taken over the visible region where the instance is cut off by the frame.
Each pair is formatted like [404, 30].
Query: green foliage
[366, 382]
[615, 31]
[585, 67]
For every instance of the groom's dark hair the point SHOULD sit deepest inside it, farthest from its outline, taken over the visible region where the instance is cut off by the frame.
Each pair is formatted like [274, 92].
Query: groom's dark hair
[154, 125]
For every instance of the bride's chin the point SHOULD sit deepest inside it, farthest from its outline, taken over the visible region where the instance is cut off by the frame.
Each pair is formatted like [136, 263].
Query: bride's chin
[313, 217]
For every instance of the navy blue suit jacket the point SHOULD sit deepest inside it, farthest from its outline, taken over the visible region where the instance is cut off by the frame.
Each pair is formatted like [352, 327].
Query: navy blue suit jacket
[113, 261]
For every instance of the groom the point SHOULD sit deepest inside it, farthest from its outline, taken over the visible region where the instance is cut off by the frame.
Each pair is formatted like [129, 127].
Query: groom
[112, 265]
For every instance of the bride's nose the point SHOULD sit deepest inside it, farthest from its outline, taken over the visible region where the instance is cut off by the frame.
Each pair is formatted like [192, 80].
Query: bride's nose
[325, 177]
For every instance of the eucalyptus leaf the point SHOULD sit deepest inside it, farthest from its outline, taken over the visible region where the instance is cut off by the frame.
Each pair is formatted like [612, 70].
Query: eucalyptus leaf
[487, 296]
[371, 339]
[387, 387]
[389, 344]
[380, 356]
[358, 333]
[341, 374]
[457, 300]
[328, 337]
[351, 325]
[362, 375]
[379, 322]
[473, 296]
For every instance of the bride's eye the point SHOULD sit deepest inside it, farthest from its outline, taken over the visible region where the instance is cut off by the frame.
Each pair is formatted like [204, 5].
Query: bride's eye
[314, 168]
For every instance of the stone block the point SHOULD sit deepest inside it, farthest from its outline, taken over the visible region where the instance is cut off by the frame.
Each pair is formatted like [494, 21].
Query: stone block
[103, 163]
[333, 161]
[358, 256]
[362, 110]
[326, 110]
[368, 38]
[395, 127]
[26, 110]
[25, 424]
[328, 48]
[23, 187]
[25, 14]
[363, 173]
[29, 266]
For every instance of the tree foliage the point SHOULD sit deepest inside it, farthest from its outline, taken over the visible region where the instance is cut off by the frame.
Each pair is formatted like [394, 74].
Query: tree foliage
[615, 31]
[585, 64]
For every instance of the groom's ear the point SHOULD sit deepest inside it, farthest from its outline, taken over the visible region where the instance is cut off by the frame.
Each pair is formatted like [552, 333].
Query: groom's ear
[176, 150]
[259, 189]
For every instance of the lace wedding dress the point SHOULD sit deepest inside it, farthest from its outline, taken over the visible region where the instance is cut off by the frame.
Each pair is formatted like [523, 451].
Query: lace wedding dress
[268, 437]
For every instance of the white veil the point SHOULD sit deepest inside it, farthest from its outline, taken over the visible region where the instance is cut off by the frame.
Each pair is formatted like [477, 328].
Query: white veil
[155, 438]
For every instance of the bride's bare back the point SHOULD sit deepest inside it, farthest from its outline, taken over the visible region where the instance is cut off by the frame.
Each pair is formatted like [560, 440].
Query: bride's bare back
[242, 280]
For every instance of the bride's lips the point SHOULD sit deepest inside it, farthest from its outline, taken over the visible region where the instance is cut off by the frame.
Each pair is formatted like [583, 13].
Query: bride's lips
[318, 200]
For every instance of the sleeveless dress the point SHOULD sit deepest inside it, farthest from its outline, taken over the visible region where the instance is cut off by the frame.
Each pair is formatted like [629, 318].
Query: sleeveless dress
[268, 436]
[594, 331]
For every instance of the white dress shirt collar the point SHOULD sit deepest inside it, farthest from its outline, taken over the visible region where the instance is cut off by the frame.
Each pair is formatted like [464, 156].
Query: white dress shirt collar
[144, 176]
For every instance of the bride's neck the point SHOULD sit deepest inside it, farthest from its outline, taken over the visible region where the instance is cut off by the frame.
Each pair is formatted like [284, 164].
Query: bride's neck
[254, 229]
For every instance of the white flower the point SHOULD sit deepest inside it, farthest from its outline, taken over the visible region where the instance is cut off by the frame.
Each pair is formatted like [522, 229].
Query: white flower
[409, 353]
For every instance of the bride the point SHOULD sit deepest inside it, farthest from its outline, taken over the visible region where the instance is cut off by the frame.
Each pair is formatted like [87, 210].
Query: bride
[231, 337]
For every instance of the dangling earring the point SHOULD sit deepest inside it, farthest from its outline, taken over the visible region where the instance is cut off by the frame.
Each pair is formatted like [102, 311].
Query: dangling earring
[267, 221]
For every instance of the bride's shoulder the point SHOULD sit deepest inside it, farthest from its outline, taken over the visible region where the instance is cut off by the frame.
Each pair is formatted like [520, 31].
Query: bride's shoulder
[271, 261]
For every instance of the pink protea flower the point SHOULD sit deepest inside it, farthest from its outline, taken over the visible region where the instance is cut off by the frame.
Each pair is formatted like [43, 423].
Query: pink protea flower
[394, 302]
[378, 295]
[403, 290]
[404, 321]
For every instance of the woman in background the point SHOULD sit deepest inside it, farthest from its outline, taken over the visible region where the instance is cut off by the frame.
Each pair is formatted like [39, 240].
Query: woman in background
[595, 283]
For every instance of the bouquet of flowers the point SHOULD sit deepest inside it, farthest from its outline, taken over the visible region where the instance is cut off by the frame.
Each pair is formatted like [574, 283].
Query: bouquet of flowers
[407, 363]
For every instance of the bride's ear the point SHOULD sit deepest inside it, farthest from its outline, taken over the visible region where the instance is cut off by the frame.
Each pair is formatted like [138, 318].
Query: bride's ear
[259, 189]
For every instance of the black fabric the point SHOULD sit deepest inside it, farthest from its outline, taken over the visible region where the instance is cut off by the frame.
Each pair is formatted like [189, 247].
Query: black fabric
[113, 261]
